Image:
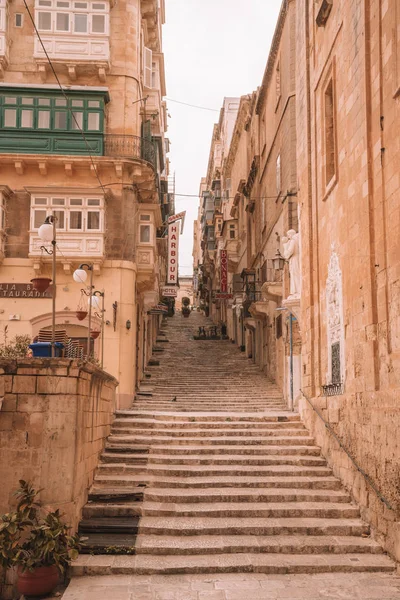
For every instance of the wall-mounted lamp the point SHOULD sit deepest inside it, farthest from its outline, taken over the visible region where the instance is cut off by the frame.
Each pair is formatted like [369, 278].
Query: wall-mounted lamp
[128, 324]
[278, 261]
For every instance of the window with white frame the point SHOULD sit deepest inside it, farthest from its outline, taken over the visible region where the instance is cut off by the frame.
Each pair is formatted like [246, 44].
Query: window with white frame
[3, 22]
[232, 231]
[73, 213]
[72, 16]
[147, 67]
[145, 234]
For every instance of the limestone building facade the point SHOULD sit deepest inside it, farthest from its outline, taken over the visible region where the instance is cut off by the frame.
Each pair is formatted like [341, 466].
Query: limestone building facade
[82, 137]
[313, 266]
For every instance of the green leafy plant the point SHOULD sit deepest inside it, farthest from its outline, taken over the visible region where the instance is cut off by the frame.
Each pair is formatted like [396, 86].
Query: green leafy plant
[31, 538]
[17, 348]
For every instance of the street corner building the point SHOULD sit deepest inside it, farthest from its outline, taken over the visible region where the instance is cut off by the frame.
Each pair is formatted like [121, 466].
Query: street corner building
[301, 197]
[83, 138]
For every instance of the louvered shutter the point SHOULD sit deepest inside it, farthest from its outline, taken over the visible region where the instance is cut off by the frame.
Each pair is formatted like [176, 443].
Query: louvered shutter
[147, 67]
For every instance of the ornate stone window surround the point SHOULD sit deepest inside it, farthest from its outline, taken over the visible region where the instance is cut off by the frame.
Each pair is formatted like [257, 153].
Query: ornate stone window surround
[4, 42]
[80, 224]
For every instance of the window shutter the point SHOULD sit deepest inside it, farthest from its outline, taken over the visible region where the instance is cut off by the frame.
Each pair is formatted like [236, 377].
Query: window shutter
[147, 67]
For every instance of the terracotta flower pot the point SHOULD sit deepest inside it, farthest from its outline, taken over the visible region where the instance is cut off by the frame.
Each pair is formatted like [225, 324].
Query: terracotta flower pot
[40, 284]
[94, 334]
[41, 581]
[81, 314]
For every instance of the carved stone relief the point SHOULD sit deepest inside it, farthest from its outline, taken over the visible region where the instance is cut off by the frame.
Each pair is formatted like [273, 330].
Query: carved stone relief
[335, 323]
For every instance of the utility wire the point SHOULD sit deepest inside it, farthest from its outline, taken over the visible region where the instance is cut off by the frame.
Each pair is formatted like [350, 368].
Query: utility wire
[64, 94]
[193, 105]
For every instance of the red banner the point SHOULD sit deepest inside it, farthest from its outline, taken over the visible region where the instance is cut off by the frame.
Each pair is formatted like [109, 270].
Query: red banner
[224, 270]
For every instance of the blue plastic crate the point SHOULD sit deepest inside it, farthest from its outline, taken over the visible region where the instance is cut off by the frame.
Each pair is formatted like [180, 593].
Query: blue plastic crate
[43, 349]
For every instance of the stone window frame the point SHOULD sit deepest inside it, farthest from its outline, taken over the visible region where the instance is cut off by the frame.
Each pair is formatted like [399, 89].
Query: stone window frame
[21, 20]
[51, 204]
[3, 16]
[146, 225]
[329, 80]
[232, 229]
[323, 10]
[71, 8]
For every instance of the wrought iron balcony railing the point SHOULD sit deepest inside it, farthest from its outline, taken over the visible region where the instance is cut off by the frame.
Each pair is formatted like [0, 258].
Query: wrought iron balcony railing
[129, 146]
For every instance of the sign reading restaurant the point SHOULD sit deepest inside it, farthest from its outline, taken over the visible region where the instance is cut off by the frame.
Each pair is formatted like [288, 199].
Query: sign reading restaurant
[22, 290]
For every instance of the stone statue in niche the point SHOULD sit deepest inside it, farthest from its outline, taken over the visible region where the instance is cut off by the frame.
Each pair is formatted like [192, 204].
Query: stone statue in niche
[291, 253]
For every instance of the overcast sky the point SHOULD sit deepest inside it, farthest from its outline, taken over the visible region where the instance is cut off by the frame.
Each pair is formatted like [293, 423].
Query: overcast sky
[213, 49]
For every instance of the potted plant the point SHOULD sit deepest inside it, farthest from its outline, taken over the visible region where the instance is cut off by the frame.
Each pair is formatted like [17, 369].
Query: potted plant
[40, 284]
[186, 306]
[36, 543]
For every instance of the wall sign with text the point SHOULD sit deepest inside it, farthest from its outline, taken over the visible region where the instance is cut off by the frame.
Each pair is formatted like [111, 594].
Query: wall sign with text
[23, 290]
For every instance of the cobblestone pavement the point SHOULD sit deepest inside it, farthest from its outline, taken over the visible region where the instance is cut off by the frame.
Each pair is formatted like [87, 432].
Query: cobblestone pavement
[234, 586]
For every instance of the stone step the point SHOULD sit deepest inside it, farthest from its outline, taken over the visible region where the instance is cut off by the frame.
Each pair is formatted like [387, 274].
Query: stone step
[183, 526]
[239, 510]
[217, 470]
[191, 424]
[111, 495]
[109, 525]
[288, 459]
[237, 450]
[226, 440]
[245, 483]
[108, 543]
[280, 544]
[232, 563]
[215, 417]
[115, 461]
[172, 495]
[209, 433]
[111, 510]
[125, 458]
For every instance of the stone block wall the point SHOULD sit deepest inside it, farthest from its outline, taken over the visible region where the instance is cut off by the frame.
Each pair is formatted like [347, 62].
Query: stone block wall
[367, 425]
[55, 416]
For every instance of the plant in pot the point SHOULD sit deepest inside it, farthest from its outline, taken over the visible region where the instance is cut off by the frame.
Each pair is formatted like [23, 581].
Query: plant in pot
[36, 543]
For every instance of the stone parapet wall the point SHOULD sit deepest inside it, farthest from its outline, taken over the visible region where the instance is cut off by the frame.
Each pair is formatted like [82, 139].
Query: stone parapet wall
[55, 416]
[367, 426]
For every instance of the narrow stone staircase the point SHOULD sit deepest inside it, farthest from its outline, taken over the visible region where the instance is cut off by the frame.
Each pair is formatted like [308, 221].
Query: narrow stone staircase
[221, 479]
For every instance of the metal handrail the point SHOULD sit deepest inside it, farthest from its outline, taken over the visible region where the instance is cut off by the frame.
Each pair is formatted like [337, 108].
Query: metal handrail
[129, 146]
[343, 447]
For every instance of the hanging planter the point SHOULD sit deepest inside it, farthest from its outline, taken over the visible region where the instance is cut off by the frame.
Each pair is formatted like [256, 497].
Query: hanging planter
[81, 310]
[81, 314]
[94, 334]
[41, 284]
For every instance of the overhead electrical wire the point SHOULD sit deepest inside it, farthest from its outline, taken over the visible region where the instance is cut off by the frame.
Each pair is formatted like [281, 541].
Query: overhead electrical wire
[193, 105]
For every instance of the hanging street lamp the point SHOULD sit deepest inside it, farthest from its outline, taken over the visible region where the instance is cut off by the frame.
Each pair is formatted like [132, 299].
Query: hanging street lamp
[47, 233]
[80, 276]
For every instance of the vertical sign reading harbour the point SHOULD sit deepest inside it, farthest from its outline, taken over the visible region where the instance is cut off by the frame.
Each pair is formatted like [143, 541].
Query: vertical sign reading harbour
[173, 247]
[224, 271]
